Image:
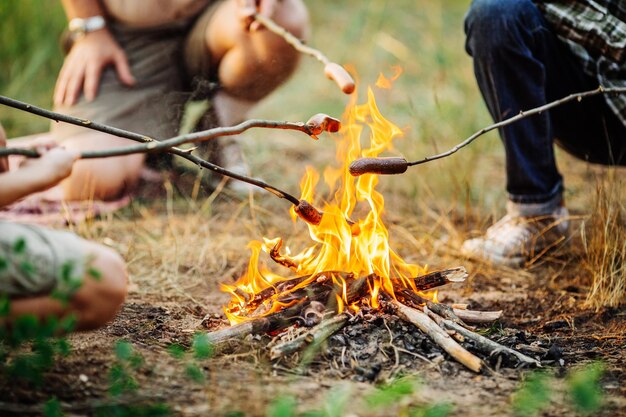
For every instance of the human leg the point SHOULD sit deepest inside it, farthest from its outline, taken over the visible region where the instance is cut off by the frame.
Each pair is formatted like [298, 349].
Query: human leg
[520, 64]
[45, 266]
[246, 65]
[152, 107]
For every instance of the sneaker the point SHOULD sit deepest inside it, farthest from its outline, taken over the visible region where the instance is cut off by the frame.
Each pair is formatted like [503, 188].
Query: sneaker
[518, 239]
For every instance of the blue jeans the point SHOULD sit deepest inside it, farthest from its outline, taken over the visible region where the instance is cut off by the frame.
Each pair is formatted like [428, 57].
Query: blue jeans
[520, 64]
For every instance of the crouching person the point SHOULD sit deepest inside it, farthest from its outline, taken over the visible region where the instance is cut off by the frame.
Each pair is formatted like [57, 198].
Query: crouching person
[47, 272]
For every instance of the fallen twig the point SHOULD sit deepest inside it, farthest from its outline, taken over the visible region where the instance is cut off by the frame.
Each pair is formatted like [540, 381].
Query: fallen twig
[399, 165]
[473, 316]
[316, 334]
[438, 335]
[488, 346]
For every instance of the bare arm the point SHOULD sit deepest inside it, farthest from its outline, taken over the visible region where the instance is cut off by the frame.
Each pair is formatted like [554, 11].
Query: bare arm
[36, 175]
[89, 55]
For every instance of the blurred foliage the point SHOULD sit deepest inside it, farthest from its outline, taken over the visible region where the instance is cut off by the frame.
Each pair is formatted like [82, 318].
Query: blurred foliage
[30, 58]
[583, 391]
[533, 396]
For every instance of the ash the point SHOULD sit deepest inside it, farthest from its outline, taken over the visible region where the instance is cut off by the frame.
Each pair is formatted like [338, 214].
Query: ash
[377, 346]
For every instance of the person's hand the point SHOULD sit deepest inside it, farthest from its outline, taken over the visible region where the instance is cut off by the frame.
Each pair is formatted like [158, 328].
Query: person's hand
[248, 8]
[83, 67]
[54, 164]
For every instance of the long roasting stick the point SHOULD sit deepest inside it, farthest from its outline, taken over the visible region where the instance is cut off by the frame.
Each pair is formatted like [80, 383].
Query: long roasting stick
[332, 70]
[399, 165]
[315, 126]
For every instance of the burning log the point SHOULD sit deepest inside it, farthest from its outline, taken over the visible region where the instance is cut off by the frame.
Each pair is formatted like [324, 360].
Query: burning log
[269, 323]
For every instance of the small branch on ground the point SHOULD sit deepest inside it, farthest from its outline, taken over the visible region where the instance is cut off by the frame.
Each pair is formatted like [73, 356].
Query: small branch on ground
[488, 346]
[315, 335]
[437, 334]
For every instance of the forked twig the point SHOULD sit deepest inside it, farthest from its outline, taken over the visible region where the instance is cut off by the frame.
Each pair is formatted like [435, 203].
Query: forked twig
[399, 165]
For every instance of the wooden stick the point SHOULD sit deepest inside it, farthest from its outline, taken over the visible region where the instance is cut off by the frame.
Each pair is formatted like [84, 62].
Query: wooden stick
[271, 322]
[281, 259]
[332, 70]
[313, 127]
[473, 316]
[399, 165]
[488, 346]
[438, 335]
[315, 335]
[439, 278]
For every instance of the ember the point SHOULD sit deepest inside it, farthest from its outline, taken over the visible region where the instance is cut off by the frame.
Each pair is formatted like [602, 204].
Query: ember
[351, 268]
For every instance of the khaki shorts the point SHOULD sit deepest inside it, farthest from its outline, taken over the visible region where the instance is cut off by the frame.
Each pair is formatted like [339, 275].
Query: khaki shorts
[164, 61]
[36, 260]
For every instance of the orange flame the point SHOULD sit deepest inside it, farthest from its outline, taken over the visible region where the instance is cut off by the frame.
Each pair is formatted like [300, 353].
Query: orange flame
[357, 250]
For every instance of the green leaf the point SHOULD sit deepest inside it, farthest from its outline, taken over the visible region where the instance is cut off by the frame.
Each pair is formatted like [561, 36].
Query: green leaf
[19, 246]
[4, 264]
[337, 400]
[533, 396]
[235, 414]
[94, 273]
[282, 407]
[176, 351]
[136, 361]
[584, 388]
[63, 347]
[194, 373]
[434, 410]
[68, 323]
[201, 347]
[25, 328]
[66, 271]
[5, 305]
[52, 408]
[123, 350]
[392, 393]
[120, 381]
[27, 268]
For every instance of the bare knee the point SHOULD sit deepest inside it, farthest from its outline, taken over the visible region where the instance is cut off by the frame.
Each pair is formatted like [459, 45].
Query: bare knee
[104, 289]
[104, 178]
[252, 64]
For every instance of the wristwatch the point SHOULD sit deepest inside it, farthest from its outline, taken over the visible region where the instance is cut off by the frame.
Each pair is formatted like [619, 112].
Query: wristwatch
[79, 27]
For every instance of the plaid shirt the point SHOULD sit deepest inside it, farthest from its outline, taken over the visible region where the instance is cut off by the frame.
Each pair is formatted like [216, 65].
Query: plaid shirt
[595, 31]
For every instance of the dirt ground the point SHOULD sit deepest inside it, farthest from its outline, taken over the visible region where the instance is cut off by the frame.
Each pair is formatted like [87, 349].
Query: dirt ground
[176, 266]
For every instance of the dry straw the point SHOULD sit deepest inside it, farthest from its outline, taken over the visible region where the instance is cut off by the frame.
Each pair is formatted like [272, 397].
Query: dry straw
[605, 246]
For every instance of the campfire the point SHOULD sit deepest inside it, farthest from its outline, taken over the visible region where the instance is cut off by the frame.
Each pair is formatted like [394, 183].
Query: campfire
[350, 271]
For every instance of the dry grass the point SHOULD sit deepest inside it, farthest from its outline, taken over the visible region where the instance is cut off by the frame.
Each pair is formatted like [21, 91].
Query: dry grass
[605, 245]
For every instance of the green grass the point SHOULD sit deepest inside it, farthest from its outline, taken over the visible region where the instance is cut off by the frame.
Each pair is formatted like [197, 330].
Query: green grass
[30, 58]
